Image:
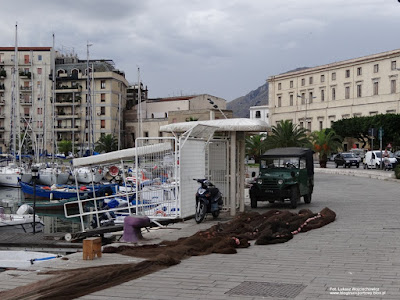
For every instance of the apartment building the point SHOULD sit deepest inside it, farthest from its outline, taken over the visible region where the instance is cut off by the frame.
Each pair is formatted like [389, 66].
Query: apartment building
[87, 108]
[24, 93]
[162, 111]
[260, 112]
[316, 97]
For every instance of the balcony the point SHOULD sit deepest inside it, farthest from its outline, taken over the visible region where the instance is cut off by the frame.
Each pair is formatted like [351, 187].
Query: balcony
[25, 102]
[2, 116]
[25, 89]
[2, 102]
[67, 129]
[3, 74]
[68, 89]
[66, 116]
[2, 129]
[25, 75]
[2, 88]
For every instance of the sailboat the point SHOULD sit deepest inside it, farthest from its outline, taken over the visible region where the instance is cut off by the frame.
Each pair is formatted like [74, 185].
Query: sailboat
[53, 173]
[11, 174]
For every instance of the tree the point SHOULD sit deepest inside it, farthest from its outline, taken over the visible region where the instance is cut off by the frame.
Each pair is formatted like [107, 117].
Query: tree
[325, 142]
[106, 143]
[65, 147]
[255, 146]
[286, 134]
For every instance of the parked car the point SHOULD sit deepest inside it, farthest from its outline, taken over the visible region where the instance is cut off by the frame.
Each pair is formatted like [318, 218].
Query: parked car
[397, 156]
[347, 159]
[332, 157]
[373, 160]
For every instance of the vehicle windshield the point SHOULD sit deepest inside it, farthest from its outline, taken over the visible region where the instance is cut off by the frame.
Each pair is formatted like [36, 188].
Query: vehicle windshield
[348, 155]
[282, 162]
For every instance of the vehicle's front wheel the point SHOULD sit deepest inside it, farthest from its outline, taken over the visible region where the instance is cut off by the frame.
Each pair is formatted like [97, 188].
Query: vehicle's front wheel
[307, 198]
[215, 214]
[357, 165]
[365, 166]
[201, 210]
[253, 202]
[337, 165]
[295, 196]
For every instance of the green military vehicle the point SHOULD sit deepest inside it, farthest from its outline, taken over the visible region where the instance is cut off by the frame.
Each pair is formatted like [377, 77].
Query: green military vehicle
[285, 174]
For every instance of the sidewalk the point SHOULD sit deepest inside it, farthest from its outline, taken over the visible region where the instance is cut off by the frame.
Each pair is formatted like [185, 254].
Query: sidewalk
[355, 257]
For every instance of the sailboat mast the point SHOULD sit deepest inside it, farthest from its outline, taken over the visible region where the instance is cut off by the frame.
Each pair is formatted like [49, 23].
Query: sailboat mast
[17, 99]
[53, 96]
[88, 101]
[139, 107]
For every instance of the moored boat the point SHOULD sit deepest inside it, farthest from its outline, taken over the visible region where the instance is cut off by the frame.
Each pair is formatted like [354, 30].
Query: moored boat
[22, 221]
[64, 191]
[11, 175]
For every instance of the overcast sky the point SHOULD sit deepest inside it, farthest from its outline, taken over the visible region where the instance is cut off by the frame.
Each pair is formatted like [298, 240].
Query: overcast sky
[221, 47]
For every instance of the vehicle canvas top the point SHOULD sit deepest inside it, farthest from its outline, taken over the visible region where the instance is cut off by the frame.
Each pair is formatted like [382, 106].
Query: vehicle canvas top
[293, 152]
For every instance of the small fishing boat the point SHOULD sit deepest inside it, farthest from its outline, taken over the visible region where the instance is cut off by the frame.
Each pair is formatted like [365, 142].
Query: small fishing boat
[44, 205]
[11, 174]
[64, 191]
[21, 221]
[53, 175]
[88, 175]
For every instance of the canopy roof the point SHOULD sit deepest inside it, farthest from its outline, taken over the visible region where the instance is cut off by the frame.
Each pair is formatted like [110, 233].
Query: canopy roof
[115, 156]
[288, 152]
[238, 124]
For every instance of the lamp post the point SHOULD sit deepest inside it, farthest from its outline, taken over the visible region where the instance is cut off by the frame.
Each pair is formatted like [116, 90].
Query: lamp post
[216, 107]
[306, 100]
[35, 173]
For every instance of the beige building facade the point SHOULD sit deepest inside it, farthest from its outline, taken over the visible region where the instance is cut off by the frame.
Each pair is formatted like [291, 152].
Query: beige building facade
[316, 97]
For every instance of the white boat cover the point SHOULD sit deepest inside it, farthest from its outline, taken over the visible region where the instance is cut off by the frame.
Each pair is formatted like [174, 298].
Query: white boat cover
[116, 156]
[238, 124]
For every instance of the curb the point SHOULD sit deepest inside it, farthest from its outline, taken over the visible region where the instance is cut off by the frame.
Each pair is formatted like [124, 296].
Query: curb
[374, 174]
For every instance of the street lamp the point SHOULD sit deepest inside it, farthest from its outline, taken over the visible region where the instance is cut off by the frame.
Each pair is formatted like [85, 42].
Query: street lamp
[216, 107]
[306, 100]
[35, 175]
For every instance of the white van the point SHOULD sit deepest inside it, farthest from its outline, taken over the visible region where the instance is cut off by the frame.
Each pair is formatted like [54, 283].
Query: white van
[372, 159]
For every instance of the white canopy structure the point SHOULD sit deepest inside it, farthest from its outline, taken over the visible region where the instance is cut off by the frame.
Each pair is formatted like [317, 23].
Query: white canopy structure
[119, 155]
[234, 130]
[228, 125]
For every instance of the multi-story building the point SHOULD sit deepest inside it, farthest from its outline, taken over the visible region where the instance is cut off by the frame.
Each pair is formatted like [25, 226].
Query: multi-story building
[83, 109]
[25, 93]
[162, 111]
[316, 97]
[260, 112]
[87, 108]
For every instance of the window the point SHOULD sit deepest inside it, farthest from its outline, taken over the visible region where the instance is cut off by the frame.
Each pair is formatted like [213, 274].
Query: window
[146, 134]
[359, 71]
[40, 57]
[103, 84]
[26, 59]
[258, 114]
[393, 86]
[310, 95]
[103, 124]
[303, 98]
[322, 78]
[322, 95]
[160, 134]
[309, 126]
[279, 86]
[26, 111]
[393, 65]
[103, 97]
[102, 110]
[333, 76]
[303, 81]
[347, 92]
[376, 88]
[39, 71]
[320, 125]
[40, 110]
[279, 101]
[291, 83]
[359, 91]
[376, 68]
[310, 80]
[301, 125]
[39, 84]
[333, 93]
[291, 100]
[347, 75]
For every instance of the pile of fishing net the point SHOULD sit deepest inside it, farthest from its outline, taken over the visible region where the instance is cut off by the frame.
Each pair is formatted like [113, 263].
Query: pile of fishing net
[271, 227]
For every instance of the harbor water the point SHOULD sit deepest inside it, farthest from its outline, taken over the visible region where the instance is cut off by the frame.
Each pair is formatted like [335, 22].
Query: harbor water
[54, 220]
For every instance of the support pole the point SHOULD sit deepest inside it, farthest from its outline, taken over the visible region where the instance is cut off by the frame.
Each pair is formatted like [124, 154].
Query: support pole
[233, 174]
[241, 138]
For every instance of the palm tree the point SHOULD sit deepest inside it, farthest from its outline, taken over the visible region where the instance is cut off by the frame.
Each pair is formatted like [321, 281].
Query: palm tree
[255, 146]
[286, 134]
[324, 143]
[106, 143]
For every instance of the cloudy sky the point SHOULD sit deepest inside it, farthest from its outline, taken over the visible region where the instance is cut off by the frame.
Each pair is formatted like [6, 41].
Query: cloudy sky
[221, 47]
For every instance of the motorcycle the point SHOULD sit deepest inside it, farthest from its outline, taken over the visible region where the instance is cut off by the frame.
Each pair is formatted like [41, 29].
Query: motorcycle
[208, 200]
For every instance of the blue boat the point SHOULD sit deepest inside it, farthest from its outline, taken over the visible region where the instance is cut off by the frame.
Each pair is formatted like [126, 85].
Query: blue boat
[65, 191]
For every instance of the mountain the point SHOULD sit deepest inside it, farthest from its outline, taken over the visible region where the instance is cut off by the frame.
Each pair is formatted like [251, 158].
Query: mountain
[240, 106]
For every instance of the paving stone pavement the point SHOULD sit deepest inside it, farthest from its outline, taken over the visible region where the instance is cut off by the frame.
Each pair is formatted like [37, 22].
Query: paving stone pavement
[358, 253]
